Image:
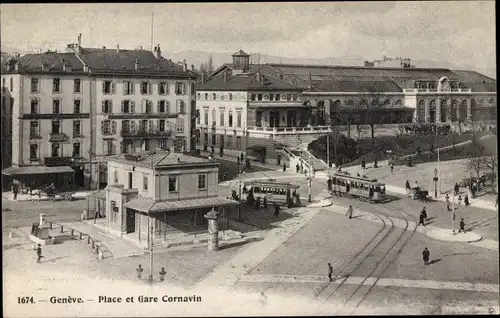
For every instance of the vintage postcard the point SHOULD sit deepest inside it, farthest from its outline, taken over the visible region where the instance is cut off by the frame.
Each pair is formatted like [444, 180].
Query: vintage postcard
[249, 159]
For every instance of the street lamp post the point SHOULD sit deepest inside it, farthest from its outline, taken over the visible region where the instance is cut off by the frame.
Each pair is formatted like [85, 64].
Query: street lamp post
[151, 254]
[453, 200]
[435, 182]
[309, 178]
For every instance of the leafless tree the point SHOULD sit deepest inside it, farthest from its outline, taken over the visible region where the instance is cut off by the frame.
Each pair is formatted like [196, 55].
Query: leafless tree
[491, 162]
[475, 157]
[370, 104]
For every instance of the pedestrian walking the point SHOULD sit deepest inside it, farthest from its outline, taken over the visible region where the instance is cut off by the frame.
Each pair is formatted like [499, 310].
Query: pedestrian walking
[363, 164]
[297, 168]
[466, 200]
[139, 271]
[447, 197]
[330, 272]
[456, 188]
[350, 210]
[392, 167]
[15, 190]
[459, 200]
[424, 212]
[425, 255]
[284, 167]
[421, 219]
[162, 274]
[329, 184]
[264, 202]
[301, 168]
[39, 253]
[276, 210]
[462, 225]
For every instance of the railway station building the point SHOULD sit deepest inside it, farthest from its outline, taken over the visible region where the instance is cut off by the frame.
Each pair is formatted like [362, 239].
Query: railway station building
[240, 104]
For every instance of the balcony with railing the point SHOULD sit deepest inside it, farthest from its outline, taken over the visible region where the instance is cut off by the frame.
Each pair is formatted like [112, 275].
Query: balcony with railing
[291, 130]
[435, 90]
[58, 137]
[145, 133]
[57, 161]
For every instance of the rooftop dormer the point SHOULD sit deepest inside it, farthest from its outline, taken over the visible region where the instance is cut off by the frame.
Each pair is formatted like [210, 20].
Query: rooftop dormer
[241, 62]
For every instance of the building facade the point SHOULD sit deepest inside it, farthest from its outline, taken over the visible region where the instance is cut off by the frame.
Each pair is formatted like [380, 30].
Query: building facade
[290, 104]
[80, 107]
[168, 191]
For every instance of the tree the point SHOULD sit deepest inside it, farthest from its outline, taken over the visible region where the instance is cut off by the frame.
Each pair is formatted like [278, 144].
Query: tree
[210, 66]
[475, 157]
[374, 102]
[491, 162]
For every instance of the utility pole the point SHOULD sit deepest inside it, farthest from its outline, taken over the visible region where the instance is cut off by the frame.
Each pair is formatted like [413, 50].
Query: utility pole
[439, 170]
[435, 182]
[328, 150]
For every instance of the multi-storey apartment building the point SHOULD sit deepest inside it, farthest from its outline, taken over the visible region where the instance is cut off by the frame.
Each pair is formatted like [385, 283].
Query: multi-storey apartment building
[77, 108]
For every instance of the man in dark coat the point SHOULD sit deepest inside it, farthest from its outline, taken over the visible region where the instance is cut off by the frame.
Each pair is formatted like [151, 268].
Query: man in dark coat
[462, 225]
[466, 200]
[456, 188]
[330, 272]
[426, 254]
[424, 212]
[39, 253]
[284, 167]
[276, 210]
[297, 168]
[329, 184]
[421, 219]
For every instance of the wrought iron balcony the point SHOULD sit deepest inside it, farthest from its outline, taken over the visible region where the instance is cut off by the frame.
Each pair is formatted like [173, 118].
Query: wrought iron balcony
[57, 161]
[145, 133]
[57, 137]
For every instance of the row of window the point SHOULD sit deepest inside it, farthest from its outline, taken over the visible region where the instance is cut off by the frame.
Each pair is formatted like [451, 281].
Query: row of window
[222, 116]
[109, 87]
[55, 150]
[173, 182]
[108, 127]
[274, 97]
[56, 85]
[55, 128]
[146, 88]
[128, 107]
[56, 106]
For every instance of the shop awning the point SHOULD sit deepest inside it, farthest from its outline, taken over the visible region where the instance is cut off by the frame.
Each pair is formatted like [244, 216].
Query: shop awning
[34, 170]
[150, 206]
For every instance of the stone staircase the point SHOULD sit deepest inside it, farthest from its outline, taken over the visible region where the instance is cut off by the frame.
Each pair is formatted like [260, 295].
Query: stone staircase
[307, 156]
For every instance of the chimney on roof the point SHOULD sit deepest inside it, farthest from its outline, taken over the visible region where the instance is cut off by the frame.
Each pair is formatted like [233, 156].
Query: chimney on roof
[137, 64]
[224, 77]
[117, 48]
[192, 67]
[16, 66]
[157, 52]
[259, 77]
[203, 77]
[79, 40]
[185, 66]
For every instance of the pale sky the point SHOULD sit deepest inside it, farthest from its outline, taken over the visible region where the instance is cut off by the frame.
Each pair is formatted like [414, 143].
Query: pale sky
[461, 32]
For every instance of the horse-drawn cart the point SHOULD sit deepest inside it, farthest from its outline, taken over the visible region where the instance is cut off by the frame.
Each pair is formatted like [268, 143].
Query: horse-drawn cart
[418, 193]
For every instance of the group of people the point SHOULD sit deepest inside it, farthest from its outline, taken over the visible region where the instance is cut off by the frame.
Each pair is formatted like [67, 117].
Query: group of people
[162, 273]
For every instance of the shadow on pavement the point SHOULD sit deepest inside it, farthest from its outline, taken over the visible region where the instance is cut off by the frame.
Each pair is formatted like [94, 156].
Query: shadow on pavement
[434, 261]
[54, 259]
[230, 245]
[455, 254]
[357, 216]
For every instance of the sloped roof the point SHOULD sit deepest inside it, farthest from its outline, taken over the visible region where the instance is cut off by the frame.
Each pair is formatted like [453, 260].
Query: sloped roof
[159, 158]
[53, 62]
[105, 60]
[149, 205]
[241, 53]
[355, 86]
[244, 82]
[32, 170]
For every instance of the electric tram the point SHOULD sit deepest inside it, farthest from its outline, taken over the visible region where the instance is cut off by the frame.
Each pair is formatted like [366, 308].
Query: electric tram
[365, 189]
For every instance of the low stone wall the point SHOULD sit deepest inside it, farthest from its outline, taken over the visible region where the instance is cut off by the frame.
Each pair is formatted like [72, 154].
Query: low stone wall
[37, 240]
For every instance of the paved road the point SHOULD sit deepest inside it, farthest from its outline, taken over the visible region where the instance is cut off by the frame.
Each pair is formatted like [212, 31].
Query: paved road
[24, 213]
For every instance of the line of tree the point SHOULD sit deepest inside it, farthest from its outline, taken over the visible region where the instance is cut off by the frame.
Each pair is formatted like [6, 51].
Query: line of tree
[208, 66]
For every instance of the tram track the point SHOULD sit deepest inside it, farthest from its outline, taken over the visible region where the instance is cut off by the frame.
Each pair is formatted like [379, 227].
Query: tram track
[355, 299]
